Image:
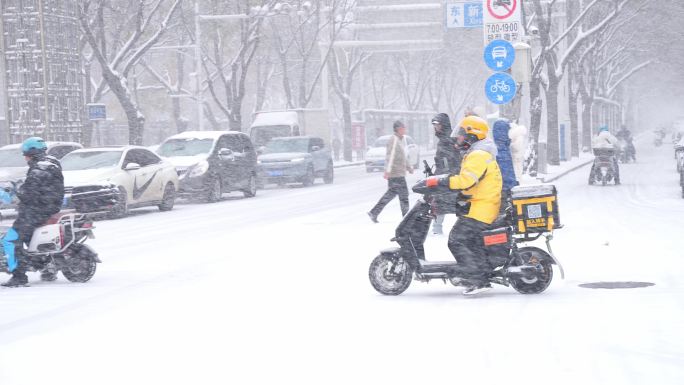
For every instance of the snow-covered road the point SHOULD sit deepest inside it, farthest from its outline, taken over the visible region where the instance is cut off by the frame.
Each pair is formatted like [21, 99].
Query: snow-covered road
[275, 290]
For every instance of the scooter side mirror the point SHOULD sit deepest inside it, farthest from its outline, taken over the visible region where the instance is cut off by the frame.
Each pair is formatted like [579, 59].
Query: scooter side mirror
[427, 170]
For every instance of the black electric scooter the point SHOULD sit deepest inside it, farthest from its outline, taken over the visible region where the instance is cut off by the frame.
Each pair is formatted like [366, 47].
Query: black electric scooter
[603, 170]
[527, 269]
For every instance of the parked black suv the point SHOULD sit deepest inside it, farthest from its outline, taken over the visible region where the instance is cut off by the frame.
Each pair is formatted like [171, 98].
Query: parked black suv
[298, 159]
[211, 163]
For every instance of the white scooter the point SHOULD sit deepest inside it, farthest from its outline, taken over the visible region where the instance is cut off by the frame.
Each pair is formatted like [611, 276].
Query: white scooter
[59, 245]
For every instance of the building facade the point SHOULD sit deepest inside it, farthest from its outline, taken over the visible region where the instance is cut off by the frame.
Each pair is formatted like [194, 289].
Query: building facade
[42, 66]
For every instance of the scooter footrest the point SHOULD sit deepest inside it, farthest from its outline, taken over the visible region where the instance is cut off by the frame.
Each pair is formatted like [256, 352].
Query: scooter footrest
[438, 266]
[437, 263]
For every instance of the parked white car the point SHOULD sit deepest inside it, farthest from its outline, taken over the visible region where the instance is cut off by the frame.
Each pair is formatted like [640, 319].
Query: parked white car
[376, 153]
[116, 179]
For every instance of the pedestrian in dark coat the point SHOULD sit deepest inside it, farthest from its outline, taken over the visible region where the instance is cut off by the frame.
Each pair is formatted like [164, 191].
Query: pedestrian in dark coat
[40, 196]
[447, 161]
[504, 159]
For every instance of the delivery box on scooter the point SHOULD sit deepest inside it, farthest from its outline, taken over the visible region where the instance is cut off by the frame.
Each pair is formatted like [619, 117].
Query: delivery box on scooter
[535, 209]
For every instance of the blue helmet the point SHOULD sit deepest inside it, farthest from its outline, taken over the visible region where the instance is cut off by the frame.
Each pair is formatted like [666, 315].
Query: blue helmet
[33, 146]
[603, 128]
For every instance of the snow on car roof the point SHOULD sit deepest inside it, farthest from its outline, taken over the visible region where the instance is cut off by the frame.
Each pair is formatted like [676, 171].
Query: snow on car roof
[292, 137]
[275, 118]
[387, 136]
[203, 134]
[49, 144]
[108, 148]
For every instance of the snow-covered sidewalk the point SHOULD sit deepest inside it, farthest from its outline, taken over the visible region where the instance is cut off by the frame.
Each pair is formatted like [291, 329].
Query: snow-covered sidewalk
[555, 172]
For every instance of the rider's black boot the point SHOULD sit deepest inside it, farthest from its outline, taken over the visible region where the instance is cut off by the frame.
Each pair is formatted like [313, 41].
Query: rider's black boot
[18, 279]
[48, 276]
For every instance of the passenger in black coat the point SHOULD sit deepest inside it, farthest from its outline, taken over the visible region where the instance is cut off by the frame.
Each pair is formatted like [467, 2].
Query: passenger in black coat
[40, 196]
[447, 161]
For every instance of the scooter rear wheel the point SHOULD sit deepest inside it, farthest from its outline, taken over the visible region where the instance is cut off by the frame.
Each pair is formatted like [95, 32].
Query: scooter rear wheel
[79, 269]
[542, 278]
[390, 275]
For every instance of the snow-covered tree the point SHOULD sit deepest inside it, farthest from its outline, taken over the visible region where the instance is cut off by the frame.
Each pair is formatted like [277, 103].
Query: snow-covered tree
[558, 48]
[229, 50]
[119, 33]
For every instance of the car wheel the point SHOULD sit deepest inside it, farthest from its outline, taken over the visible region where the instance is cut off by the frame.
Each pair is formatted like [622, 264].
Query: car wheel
[120, 209]
[215, 191]
[250, 191]
[169, 198]
[309, 177]
[329, 174]
[369, 170]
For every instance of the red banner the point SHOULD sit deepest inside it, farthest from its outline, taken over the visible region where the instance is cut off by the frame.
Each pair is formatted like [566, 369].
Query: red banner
[358, 136]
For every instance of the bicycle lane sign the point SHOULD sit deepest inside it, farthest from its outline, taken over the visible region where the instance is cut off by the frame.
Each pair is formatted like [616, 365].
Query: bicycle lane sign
[500, 88]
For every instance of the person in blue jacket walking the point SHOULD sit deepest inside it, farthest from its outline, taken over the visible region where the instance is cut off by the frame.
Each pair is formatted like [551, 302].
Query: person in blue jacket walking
[504, 159]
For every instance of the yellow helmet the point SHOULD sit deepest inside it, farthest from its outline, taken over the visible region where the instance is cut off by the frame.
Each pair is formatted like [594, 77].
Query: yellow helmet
[475, 125]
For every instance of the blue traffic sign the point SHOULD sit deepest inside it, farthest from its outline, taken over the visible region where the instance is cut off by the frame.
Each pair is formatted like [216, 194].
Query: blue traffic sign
[500, 88]
[97, 111]
[464, 15]
[499, 55]
[472, 15]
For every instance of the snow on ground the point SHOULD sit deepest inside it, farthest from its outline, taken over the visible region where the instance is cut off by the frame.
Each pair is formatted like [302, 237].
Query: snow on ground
[274, 289]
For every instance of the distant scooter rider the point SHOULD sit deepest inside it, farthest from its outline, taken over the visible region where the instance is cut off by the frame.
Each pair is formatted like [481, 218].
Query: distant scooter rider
[479, 179]
[40, 196]
[447, 161]
[605, 141]
[626, 135]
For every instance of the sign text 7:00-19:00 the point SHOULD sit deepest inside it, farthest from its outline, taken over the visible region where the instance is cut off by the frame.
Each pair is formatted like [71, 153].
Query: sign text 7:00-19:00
[502, 27]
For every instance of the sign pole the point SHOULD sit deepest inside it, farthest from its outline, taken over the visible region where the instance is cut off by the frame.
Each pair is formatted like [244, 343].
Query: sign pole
[502, 26]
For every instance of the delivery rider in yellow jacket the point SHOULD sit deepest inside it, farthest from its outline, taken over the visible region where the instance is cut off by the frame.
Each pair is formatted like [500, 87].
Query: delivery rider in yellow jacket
[479, 178]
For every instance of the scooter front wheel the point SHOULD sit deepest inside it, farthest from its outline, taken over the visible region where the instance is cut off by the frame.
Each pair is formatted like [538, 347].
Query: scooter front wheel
[390, 275]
